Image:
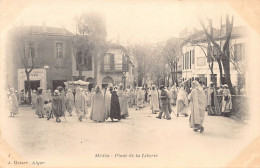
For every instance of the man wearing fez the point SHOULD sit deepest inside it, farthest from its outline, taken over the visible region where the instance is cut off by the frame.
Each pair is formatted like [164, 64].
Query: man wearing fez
[165, 103]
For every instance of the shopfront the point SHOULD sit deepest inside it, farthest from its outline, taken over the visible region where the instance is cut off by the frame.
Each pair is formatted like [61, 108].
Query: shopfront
[37, 79]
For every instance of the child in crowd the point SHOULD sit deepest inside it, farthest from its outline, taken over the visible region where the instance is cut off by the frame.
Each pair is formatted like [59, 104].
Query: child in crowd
[47, 109]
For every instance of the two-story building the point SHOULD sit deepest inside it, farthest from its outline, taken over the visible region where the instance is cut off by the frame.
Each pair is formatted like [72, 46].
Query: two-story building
[50, 49]
[114, 67]
[195, 58]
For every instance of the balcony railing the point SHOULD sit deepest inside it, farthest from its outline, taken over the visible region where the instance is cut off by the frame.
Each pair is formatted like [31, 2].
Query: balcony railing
[115, 68]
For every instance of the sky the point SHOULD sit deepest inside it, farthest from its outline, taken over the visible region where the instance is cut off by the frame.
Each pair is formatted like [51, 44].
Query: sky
[129, 21]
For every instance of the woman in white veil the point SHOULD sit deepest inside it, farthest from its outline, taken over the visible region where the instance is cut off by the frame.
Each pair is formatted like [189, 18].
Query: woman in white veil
[182, 101]
[98, 110]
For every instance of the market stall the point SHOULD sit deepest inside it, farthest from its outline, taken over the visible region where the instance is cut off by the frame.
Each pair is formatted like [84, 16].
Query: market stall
[74, 84]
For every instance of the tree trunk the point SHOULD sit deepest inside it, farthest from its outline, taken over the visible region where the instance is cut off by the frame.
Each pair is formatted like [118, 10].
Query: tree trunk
[80, 73]
[226, 66]
[29, 86]
[95, 67]
[176, 75]
[172, 73]
[220, 71]
[225, 58]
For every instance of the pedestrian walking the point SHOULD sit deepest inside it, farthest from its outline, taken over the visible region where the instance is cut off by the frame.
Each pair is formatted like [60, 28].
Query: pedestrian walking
[21, 99]
[63, 97]
[165, 104]
[98, 111]
[128, 96]
[213, 104]
[108, 99]
[13, 103]
[197, 100]
[173, 93]
[48, 96]
[139, 98]
[123, 102]
[92, 92]
[57, 106]
[85, 95]
[154, 100]
[226, 102]
[182, 102]
[47, 109]
[80, 104]
[169, 101]
[132, 98]
[39, 103]
[34, 96]
[115, 106]
[70, 101]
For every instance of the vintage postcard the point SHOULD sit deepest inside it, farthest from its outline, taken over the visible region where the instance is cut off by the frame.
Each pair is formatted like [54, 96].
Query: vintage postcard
[129, 83]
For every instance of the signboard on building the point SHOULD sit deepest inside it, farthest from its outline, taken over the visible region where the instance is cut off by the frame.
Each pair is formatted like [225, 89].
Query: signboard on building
[35, 75]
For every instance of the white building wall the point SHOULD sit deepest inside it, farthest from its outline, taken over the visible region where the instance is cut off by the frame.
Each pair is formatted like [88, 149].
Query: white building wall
[201, 65]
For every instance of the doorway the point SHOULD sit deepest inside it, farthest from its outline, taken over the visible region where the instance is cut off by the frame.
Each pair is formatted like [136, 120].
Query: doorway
[56, 83]
[35, 84]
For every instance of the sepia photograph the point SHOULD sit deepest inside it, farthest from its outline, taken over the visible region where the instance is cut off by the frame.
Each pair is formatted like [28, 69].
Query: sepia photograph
[129, 83]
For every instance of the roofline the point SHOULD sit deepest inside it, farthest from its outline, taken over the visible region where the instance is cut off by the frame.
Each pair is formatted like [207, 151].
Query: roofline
[216, 38]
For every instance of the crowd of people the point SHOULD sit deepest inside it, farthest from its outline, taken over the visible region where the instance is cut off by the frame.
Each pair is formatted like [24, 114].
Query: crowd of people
[114, 101]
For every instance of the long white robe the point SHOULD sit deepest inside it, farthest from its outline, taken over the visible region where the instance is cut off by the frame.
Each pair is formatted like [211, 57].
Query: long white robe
[182, 101]
[154, 100]
[98, 110]
[108, 102]
[197, 98]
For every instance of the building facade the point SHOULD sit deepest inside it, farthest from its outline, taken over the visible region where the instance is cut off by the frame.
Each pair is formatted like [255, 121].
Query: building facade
[196, 59]
[46, 49]
[114, 67]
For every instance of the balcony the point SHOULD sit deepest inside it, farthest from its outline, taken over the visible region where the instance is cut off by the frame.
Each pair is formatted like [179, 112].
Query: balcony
[115, 68]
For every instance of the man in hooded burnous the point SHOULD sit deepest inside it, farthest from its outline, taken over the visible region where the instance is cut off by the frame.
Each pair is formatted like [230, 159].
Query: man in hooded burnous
[173, 92]
[108, 94]
[57, 106]
[13, 103]
[182, 102]
[123, 102]
[39, 103]
[98, 111]
[80, 104]
[197, 100]
[115, 106]
[70, 101]
[63, 97]
[154, 100]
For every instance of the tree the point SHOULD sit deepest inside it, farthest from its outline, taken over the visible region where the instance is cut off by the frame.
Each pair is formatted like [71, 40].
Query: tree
[92, 28]
[26, 49]
[81, 48]
[172, 52]
[198, 41]
[224, 52]
[141, 54]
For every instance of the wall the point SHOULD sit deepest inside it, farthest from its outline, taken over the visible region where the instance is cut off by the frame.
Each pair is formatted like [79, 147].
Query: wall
[45, 56]
[199, 54]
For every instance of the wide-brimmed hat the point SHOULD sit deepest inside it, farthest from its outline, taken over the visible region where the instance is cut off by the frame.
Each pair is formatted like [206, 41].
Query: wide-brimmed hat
[56, 92]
